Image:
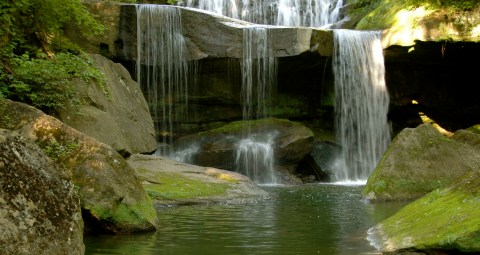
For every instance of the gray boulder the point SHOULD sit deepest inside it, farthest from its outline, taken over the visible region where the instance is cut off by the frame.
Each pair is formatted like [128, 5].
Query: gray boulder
[40, 209]
[116, 114]
[418, 161]
[169, 182]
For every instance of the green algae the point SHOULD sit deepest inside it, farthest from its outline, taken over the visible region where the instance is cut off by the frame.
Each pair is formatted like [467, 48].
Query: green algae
[445, 219]
[174, 187]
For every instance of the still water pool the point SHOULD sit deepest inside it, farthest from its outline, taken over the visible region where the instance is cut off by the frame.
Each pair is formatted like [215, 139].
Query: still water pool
[311, 219]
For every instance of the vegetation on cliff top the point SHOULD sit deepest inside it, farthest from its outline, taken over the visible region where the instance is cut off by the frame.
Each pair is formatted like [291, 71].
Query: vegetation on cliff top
[379, 15]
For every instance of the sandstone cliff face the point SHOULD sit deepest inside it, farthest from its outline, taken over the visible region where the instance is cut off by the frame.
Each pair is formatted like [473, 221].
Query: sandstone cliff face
[40, 209]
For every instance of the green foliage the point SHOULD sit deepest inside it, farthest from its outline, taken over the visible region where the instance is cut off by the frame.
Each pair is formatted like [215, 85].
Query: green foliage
[58, 151]
[30, 25]
[47, 83]
[454, 4]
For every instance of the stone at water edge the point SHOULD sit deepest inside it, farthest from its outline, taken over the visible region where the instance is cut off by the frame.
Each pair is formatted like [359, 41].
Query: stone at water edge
[418, 161]
[445, 220]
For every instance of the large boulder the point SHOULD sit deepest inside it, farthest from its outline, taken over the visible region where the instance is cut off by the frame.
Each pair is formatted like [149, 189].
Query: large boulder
[418, 161]
[40, 209]
[111, 196]
[290, 141]
[171, 182]
[115, 112]
[446, 221]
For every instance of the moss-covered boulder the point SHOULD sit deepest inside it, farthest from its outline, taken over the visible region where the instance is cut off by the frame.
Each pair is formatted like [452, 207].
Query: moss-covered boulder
[40, 209]
[418, 161]
[291, 141]
[446, 221]
[470, 136]
[112, 198]
[172, 182]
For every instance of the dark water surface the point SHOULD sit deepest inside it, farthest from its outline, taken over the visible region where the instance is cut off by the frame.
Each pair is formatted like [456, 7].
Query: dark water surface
[311, 219]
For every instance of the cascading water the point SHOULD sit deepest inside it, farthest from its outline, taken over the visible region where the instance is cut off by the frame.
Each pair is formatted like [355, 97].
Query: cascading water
[254, 158]
[259, 72]
[361, 96]
[161, 66]
[309, 13]
[254, 153]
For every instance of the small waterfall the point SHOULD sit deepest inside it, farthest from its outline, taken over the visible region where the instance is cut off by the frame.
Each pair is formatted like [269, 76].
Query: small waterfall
[309, 13]
[254, 153]
[161, 66]
[259, 72]
[254, 158]
[362, 100]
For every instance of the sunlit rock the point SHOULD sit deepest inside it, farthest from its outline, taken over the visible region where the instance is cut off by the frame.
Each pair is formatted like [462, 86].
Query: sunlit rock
[418, 161]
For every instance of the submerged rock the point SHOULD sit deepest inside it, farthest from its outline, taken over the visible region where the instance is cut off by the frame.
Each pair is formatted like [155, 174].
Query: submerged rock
[112, 198]
[171, 182]
[40, 209]
[446, 221]
[115, 113]
[418, 161]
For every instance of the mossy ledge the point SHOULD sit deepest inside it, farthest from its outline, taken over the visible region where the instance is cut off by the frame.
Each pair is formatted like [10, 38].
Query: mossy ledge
[444, 220]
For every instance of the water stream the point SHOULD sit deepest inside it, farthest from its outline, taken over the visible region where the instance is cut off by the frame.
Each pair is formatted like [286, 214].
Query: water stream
[255, 153]
[307, 13]
[361, 102]
[312, 219]
[162, 67]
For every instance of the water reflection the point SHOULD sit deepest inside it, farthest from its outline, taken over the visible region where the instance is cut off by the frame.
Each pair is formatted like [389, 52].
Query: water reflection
[311, 219]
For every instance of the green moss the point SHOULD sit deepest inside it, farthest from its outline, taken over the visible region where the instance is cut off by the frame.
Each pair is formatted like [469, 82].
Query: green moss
[401, 14]
[240, 126]
[176, 187]
[127, 217]
[474, 129]
[444, 219]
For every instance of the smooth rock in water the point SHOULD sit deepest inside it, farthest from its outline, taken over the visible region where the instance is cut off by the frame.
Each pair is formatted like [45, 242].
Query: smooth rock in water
[418, 161]
[446, 221]
[171, 182]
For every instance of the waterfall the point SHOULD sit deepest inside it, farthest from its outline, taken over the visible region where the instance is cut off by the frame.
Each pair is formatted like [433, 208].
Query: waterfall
[362, 100]
[309, 13]
[259, 72]
[254, 158]
[254, 153]
[161, 66]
